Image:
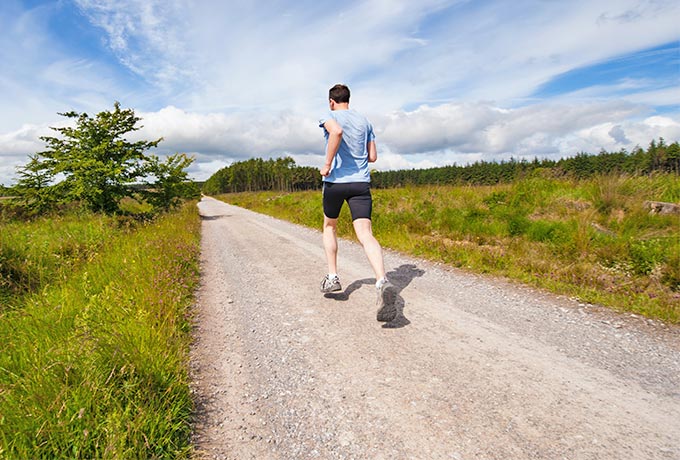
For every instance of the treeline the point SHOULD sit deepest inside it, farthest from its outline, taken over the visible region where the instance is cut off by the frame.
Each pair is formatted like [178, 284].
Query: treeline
[257, 174]
[284, 175]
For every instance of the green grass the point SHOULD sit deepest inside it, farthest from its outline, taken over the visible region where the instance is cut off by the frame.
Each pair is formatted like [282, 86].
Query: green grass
[94, 361]
[46, 250]
[589, 239]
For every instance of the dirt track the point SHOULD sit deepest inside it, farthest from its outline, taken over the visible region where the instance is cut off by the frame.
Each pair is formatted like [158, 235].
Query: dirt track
[474, 367]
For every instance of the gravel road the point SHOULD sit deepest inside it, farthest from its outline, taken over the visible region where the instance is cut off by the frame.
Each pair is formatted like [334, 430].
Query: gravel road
[473, 366]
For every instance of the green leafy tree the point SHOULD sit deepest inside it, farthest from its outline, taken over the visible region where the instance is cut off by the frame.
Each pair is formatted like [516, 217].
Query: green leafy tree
[96, 164]
[171, 183]
[35, 186]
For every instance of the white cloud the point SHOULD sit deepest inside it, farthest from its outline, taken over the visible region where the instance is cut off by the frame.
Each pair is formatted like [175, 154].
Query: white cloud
[442, 81]
[146, 36]
[659, 97]
[388, 160]
[24, 140]
[236, 135]
[502, 51]
[40, 76]
[426, 137]
[486, 128]
[653, 128]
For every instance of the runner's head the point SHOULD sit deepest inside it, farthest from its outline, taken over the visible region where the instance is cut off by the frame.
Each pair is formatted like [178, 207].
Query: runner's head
[339, 93]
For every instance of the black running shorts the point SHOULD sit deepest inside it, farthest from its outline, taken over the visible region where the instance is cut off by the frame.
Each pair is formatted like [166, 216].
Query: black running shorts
[357, 195]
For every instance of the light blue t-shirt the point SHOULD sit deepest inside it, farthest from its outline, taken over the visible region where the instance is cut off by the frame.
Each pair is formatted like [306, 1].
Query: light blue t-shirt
[351, 162]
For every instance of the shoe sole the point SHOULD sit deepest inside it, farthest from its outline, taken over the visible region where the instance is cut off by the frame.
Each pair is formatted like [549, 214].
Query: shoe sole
[335, 289]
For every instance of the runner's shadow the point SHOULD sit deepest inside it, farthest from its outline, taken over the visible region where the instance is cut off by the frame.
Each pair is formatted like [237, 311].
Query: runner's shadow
[400, 278]
[344, 295]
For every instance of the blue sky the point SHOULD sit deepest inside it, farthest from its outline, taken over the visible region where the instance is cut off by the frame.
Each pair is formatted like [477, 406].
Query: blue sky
[442, 81]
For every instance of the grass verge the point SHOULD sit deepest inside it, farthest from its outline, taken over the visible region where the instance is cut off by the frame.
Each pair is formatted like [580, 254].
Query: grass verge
[47, 250]
[94, 362]
[592, 239]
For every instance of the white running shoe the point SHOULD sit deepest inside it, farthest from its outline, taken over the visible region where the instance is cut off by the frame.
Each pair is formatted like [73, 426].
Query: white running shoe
[329, 284]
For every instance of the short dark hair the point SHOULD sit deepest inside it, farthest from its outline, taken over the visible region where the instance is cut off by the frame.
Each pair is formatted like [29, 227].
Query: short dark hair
[339, 93]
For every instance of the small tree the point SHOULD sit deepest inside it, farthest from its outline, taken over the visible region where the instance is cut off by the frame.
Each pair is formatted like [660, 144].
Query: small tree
[94, 163]
[35, 186]
[171, 183]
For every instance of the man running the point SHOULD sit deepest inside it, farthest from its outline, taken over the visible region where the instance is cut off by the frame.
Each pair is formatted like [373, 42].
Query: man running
[350, 147]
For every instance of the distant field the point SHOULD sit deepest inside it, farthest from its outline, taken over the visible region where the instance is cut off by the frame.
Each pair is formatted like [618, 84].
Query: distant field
[590, 239]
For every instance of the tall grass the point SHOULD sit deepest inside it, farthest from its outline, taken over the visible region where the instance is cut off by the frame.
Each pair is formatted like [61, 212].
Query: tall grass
[46, 250]
[94, 363]
[591, 239]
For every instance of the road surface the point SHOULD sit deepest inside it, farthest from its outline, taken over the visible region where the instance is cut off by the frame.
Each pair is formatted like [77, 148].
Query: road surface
[473, 367]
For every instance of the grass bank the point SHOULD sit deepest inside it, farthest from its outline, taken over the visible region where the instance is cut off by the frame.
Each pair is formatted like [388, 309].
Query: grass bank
[95, 333]
[591, 239]
[46, 251]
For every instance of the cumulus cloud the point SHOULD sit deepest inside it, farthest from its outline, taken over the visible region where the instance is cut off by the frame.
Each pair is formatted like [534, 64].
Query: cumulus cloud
[482, 127]
[425, 137]
[422, 138]
[236, 135]
[15, 147]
